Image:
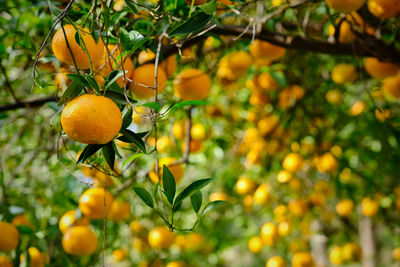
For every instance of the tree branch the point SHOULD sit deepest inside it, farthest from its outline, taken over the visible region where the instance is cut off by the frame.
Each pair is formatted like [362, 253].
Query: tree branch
[28, 103]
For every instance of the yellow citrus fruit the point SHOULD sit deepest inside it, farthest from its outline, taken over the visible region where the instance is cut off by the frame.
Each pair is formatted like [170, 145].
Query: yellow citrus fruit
[284, 176]
[266, 82]
[396, 254]
[284, 228]
[107, 64]
[275, 261]
[385, 9]
[336, 256]
[267, 124]
[298, 207]
[140, 244]
[119, 254]
[21, 219]
[380, 70]
[326, 163]
[302, 259]
[92, 200]
[176, 264]
[218, 196]
[145, 55]
[262, 194]
[382, 114]
[391, 86]
[161, 237]
[369, 207]
[37, 259]
[69, 219]
[91, 119]
[80, 241]
[62, 52]
[357, 108]
[169, 65]
[9, 237]
[119, 211]
[345, 5]
[351, 252]
[239, 62]
[255, 244]
[119, 5]
[269, 234]
[262, 49]
[192, 84]
[244, 186]
[144, 76]
[198, 132]
[293, 162]
[334, 96]
[136, 226]
[345, 207]
[5, 261]
[344, 73]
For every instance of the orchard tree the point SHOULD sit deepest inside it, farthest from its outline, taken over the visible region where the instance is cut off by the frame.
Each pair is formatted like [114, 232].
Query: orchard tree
[200, 133]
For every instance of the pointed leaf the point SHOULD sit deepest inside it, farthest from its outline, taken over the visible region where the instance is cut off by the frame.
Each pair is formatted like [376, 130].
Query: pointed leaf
[212, 205]
[210, 7]
[131, 6]
[92, 82]
[116, 150]
[73, 90]
[78, 79]
[192, 188]
[133, 138]
[194, 23]
[127, 120]
[88, 152]
[112, 78]
[109, 154]
[132, 158]
[24, 230]
[118, 98]
[196, 199]
[169, 184]
[153, 105]
[189, 103]
[144, 195]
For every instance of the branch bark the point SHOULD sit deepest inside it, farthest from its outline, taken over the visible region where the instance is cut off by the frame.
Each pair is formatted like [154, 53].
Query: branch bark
[28, 103]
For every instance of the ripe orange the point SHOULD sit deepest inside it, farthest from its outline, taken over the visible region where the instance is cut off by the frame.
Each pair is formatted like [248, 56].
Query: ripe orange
[385, 9]
[326, 163]
[218, 196]
[119, 254]
[255, 244]
[334, 96]
[345, 5]
[382, 114]
[92, 200]
[344, 73]
[396, 254]
[69, 219]
[391, 86]
[267, 82]
[262, 194]
[369, 207]
[161, 237]
[145, 55]
[269, 234]
[80, 241]
[198, 132]
[265, 50]
[107, 64]
[61, 51]
[37, 258]
[119, 211]
[380, 70]
[176, 264]
[91, 119]
[293, 162]
[336, 256]
[5, 261]
[192, 84]
[302, 259]
[351, 252]
[275, 261]
[244, 185]
[169, 65]
[357, 108]
[21, 219]
[144, 75]
[284, 176]
[9, 237]
[298, 207]
[345, 207]
[239, 62]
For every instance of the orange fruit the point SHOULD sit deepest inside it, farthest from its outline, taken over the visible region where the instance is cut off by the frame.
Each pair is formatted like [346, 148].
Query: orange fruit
[9, 237]
[336, 256]
[269, 233]
[334, 96]
[351, 252]
[21, 219]
[37, 259]
[62, 52]
[391, 86]
[69, 219]
[176, 264]
[255, 244]
[169, 65]
[218, 196]
[239, 62]
[244, 186]
[119, 5]
[91, 119]
[275, 261]
[357, 108]
[107, 64]
[345, 207]
[298, 207]
[284, 176]
[293, 162]
[380, 70]
[302, 259]
[344, 73]
[145, 55]
[265, 50]
[119, 211]
[92, 203]
[345, 5]
[5, 261]
[119, 254]
[385, 9]
[144, 75]
[369, 207]
[80, 241]
[396, 254]
[382, 114]
[192, 84]
[161, 237]
[262, 194]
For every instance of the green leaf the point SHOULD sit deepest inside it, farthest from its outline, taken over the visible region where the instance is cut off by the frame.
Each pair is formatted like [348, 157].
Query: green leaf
[116, 150]
[189, 103]
[127, 120]
[112, 78]
[192, 188]
[132, 158]
[212, 205]
[24, 230]
[139, 43]
[78, 78]
[131, 6]
[210, 7]
[130, 39]
[118, 98]
[109, 154]
[193, 24]
[153, 105]
[279, 77]
[96, 35]
[144, 195]
[133, 138]
[73, 90]
[168, 184]
[196, 199]
[77, 38]
[92, 83]
[88, 152]
[155, 192]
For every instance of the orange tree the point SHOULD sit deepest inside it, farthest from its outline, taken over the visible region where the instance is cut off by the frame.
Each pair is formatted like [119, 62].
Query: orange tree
[115, 113]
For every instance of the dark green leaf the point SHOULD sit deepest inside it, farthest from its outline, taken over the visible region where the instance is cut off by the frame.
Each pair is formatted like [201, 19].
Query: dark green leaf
[127, 120]
[116, 150]
[212, 205]
[279, 77]
[112, 78]
[96, 35]
[144, 195]
[130, 39]
[189, 103]
[24, 230]
[168, 184]
[196, 199]
[92, 82]
[73, 90]
[88, 152]
[109, 154]
[118, 98]
[133, 138]
[139, 43]
[153, 105]
[77, 38]
[193, 24]
[192, 188]
[78, 78]
[210, 7]
[155, 192]
[131, 6]
[177, 206]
